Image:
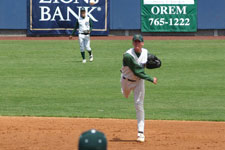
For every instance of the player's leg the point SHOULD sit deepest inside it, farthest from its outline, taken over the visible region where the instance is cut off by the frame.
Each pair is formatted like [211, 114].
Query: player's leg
[82, 47]
[139, 92]
[88, 47]
[125, 87]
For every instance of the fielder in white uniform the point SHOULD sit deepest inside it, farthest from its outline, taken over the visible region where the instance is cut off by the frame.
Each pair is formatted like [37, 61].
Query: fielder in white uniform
[132, 79]
[84, 26]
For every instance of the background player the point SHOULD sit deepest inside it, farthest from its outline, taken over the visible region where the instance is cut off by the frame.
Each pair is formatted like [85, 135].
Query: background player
[92, 140]
[132, 78]
[84, 26]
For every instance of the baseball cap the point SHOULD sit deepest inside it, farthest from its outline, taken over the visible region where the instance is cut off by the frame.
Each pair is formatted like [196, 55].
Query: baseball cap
[82, 9]
[92, 140]
[138, 37]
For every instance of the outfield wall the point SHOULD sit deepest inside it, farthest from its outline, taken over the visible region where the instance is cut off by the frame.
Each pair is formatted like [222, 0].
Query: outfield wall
[13, 14]
[125, 15]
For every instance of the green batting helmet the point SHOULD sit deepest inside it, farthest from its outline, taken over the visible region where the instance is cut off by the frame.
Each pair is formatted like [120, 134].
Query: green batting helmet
[92, 140]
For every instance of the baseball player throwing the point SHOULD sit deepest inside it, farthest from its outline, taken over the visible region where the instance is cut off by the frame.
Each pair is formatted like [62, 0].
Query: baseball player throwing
[84, 26]
[132, 79]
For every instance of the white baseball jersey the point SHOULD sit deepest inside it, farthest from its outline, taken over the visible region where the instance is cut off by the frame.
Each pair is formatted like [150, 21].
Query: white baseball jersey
[84, 24]
[141, 60]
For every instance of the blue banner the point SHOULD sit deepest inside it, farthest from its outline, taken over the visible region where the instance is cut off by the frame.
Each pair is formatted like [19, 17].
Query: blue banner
[58, 17]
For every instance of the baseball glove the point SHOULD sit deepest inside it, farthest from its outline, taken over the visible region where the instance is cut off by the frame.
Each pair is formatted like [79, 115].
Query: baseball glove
[153, 62]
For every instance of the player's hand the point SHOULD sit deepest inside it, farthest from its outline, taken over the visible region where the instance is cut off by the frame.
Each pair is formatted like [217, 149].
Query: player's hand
[70, 37]
[155, 80]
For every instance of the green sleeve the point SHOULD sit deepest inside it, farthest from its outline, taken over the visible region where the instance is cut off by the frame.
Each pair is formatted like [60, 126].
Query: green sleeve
[129, 61]
[75, 28]
[91, 24]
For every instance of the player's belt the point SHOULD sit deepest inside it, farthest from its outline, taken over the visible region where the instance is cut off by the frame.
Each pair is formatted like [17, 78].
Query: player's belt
[129, 79]
[85, 33]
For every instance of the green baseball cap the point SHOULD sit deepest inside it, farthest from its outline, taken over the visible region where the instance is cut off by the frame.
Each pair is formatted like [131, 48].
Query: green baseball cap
[92, 140]
[82, 9]
[138, 37]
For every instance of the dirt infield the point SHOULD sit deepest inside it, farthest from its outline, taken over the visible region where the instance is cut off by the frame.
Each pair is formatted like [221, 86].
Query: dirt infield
[30, 133]
[121, 38]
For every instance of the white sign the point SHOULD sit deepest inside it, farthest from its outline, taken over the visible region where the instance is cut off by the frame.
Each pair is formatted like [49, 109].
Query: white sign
[161, 2]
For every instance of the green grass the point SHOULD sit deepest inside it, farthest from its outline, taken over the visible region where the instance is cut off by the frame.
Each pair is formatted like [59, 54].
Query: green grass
[47, 78]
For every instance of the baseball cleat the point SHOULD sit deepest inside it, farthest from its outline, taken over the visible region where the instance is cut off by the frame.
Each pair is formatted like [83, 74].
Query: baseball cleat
[141, 138]
[91, 58]
[84, 61]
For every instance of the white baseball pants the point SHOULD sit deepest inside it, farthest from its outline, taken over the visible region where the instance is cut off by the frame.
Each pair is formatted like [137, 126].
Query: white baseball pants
[84, 41]
[139, 92]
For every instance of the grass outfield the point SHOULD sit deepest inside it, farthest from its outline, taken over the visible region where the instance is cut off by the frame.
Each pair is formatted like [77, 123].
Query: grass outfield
[47, 78]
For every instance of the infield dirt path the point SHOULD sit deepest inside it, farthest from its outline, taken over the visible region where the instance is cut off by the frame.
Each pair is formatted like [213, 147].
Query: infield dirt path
[32, 133]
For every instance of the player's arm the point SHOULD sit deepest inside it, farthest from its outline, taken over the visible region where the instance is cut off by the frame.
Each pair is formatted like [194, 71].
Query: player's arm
[138, 70]
[74, 30]
[91, 24]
